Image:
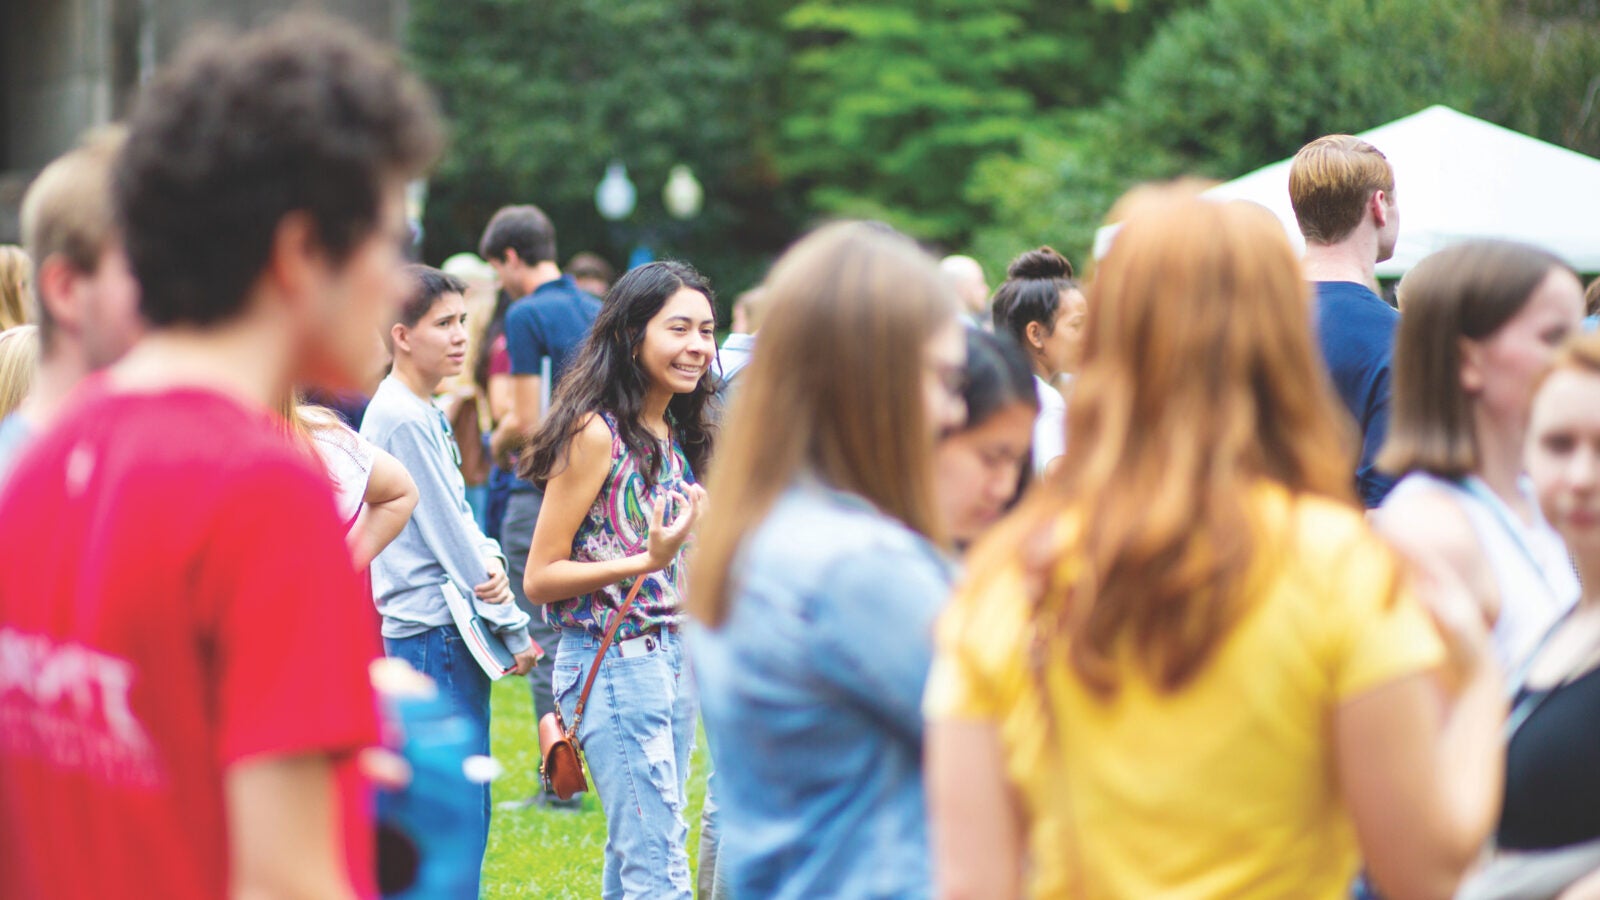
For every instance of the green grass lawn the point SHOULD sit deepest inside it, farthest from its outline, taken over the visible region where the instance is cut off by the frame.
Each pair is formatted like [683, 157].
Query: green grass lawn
[535, 852]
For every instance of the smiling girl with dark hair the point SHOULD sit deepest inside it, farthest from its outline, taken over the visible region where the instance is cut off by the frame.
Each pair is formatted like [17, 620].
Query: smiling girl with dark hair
[617, 460]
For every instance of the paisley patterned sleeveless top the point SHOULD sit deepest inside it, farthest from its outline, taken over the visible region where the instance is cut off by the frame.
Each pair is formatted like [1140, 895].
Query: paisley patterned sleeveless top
[618, 525]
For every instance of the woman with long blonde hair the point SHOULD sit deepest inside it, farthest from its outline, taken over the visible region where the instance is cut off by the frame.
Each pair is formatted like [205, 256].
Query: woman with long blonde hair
[818, 571]
[1187, 668]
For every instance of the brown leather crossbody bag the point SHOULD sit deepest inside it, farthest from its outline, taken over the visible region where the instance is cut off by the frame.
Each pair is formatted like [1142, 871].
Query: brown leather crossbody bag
[560, 760]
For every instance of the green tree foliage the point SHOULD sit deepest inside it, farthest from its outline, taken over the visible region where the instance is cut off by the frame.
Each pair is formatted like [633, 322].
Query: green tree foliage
[1244, 82]
[891, 103]
[1544, 61]
[542, 95]
[1223, 90]
[1057, 188]
[983, 125]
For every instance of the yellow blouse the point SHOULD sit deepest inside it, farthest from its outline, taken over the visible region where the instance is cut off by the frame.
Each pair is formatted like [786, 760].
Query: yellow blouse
[1225, 788]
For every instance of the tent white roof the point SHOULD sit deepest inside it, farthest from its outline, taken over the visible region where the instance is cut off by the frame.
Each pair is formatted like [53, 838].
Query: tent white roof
[1457, 178]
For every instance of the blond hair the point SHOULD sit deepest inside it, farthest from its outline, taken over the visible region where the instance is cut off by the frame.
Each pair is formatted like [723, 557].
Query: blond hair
[68, 211]
[1580, 353]
[1331, 180]
[16, 270]
[19, 360]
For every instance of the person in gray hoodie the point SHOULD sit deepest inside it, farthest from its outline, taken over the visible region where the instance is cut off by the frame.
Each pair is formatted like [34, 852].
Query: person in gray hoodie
[442, 543]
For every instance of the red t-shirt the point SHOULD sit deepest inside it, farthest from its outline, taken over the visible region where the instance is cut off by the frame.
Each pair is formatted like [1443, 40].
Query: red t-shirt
[499, 356]
[175, 598]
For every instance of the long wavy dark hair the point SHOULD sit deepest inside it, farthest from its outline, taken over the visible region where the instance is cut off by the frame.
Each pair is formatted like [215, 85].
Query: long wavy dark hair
[604, 377]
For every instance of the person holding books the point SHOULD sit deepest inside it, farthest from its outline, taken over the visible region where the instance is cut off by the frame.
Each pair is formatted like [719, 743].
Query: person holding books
[617, 459]
[441, 549]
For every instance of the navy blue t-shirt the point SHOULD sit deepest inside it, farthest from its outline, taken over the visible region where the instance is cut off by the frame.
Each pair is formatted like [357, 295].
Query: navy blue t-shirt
[552, 321]
[1355, 329]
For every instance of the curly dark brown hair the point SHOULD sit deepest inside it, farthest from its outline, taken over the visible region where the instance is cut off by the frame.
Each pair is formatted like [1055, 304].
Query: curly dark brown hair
[305, 115]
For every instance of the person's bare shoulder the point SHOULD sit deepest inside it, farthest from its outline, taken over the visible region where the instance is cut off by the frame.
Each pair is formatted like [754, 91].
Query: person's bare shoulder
[1428, 522]
[593, 436]
[588, 454]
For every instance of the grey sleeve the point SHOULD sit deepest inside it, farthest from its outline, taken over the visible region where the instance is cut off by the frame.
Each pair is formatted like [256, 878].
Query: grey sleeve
[445, 523]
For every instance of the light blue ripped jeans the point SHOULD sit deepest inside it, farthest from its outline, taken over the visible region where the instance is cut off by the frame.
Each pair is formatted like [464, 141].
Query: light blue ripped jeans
[637, 733]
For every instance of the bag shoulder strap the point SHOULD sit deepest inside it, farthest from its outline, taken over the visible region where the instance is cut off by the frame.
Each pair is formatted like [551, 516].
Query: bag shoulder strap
[605, 644]
[1513, 529]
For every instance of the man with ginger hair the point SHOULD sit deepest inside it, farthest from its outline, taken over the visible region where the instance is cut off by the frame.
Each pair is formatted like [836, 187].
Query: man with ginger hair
[86, 299]
[1342, 190]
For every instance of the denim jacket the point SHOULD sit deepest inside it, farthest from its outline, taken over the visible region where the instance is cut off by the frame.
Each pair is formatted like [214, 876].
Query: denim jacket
[811, 692]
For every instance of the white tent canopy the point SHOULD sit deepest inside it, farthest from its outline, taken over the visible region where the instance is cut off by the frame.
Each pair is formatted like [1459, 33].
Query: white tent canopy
[1457, 178]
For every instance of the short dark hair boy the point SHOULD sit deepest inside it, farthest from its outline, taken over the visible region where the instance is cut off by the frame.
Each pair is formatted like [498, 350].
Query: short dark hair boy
[524, 230]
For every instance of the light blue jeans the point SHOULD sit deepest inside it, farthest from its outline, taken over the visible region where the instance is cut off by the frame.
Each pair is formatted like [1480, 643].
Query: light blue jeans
[711, 882]
[441, 654]
[637, 733]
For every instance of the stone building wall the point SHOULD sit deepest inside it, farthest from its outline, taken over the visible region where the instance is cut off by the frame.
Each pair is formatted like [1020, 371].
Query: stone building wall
[67, 66]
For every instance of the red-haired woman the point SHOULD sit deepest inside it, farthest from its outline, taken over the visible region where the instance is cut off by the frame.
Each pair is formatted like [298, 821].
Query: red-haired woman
[1187, 668]
[1548, 840]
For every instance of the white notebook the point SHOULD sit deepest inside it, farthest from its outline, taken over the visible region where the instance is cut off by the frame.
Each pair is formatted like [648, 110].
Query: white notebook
[486, 646]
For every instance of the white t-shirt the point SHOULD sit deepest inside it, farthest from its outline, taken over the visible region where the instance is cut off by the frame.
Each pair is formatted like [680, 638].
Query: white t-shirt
[348, 457]
[1530, 562]
[1050, 427]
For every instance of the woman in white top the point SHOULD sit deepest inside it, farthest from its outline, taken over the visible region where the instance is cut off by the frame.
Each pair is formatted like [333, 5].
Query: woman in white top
[373, 492]
[1042, 308]
[1479, 324]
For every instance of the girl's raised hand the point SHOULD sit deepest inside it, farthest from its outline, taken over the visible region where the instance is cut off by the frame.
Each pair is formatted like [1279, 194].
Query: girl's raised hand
[667, 538]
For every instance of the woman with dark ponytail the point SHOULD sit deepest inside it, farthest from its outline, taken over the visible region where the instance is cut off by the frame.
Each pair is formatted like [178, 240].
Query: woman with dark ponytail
[1042, 308]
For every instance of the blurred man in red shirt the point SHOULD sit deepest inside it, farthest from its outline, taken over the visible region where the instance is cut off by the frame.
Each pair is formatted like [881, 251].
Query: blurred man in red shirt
[183, 638]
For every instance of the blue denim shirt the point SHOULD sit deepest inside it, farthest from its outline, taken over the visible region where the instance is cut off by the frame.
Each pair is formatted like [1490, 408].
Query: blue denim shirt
[811, 694]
